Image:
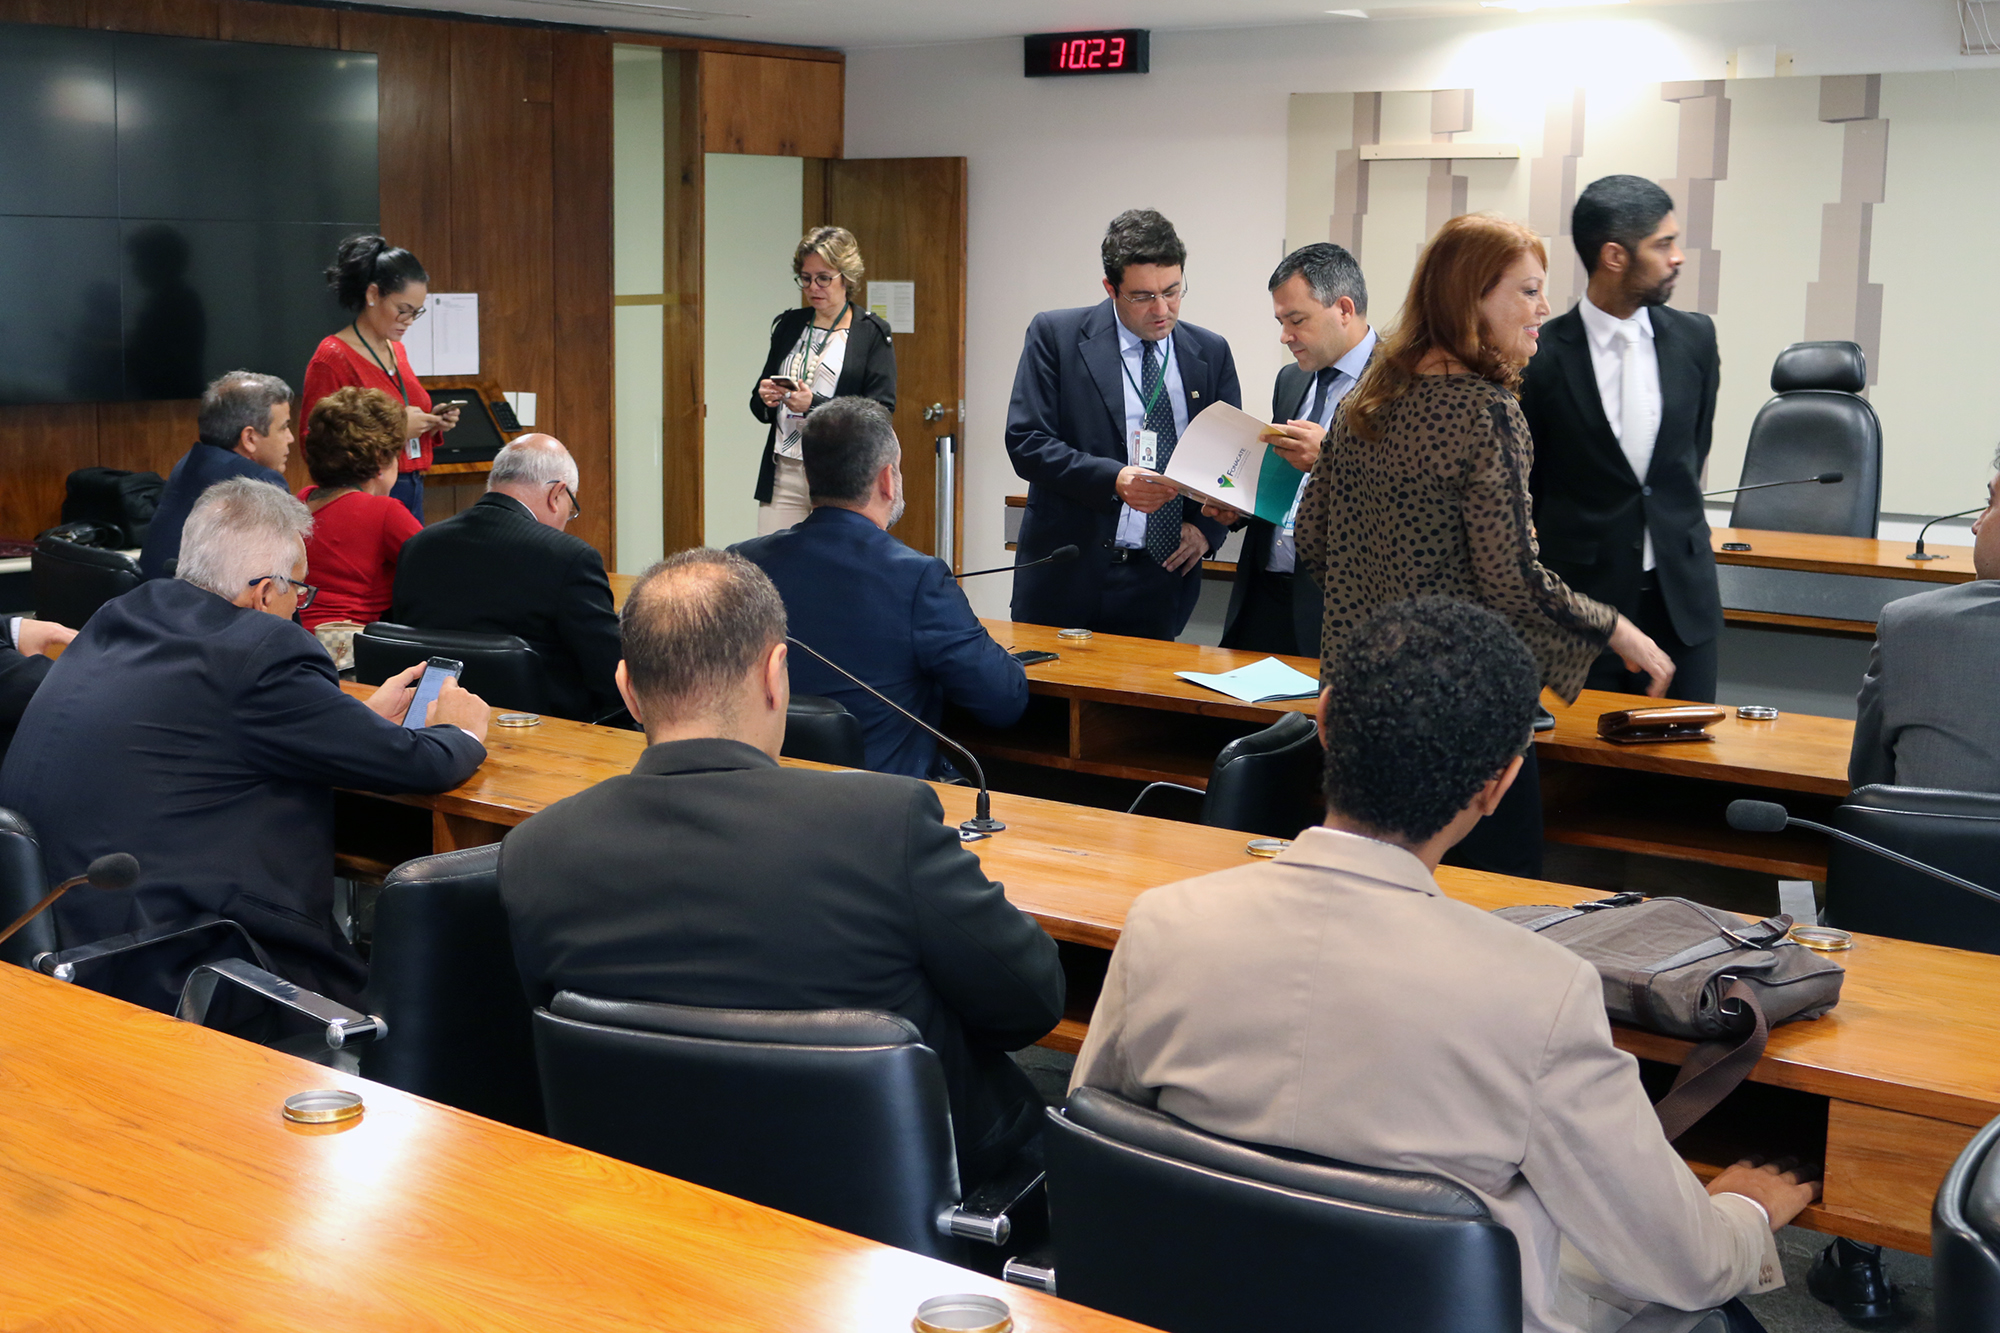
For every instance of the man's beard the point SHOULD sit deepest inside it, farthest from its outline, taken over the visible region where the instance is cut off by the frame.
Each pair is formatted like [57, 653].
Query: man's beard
[1658, 295]
[896, 510]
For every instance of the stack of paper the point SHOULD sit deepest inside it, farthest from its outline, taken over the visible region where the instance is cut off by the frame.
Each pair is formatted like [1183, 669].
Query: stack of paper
[1222, 458]
[1259, 683]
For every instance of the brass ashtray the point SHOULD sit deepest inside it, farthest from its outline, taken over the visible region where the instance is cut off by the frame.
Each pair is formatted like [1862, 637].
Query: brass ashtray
[517, 720]
[323, 1106]
[1073, 634]
[1266, 847]
[1822, 939]
[968, 1313]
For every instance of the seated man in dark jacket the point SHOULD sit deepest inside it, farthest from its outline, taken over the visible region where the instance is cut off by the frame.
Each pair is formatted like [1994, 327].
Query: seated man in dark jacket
[505, 566]
[194, 725]
[245, 431]
[893, 616]
[712, 877]
[22, 667]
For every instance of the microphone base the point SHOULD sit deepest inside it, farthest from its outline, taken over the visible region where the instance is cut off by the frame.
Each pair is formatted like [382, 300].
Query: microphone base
[986, 825]
[1926, 555]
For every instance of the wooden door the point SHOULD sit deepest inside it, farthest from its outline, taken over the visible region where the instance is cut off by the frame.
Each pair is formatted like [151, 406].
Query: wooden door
[908, 215]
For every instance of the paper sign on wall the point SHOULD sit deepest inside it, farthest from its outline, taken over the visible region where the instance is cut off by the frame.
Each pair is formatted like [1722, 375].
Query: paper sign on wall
[895, 302]
[446, 340]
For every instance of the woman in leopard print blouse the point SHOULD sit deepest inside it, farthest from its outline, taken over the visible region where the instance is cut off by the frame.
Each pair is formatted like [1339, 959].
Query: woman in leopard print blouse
[1421, 488]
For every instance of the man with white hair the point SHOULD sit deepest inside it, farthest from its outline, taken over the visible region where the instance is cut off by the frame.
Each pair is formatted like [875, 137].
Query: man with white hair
[505, 566]
[195, 725]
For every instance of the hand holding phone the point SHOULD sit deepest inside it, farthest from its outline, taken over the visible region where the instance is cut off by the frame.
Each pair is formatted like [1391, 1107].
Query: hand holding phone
[785, 382]
[436, 672]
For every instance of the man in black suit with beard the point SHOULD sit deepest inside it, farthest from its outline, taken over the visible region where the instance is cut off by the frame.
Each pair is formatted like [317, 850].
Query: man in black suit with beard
[1621, 402]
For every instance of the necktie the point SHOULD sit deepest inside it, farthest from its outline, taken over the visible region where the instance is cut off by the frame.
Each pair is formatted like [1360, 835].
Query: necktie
[1163, 525]
[1324, 381]
[1635, 427]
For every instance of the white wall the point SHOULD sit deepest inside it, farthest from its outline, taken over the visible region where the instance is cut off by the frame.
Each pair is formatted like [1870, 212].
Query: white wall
[638, 262]
[753, 208]
[1203, 139]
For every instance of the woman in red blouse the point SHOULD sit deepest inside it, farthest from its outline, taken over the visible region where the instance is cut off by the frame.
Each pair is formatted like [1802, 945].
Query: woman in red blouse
[353, 441]
[384, 286]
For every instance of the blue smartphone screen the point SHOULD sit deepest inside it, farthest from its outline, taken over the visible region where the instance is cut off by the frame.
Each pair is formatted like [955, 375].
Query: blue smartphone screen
[436, 672]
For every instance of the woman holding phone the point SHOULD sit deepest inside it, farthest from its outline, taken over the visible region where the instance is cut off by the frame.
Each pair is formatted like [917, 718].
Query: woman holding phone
[383, 287]
[828, 348]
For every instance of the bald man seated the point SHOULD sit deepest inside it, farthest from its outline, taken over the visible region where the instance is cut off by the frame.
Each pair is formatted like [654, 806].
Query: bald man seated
[505, 566]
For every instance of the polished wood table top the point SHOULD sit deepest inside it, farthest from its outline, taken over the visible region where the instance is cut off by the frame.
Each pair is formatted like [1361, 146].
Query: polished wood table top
[148, 1181]
[1865, 556]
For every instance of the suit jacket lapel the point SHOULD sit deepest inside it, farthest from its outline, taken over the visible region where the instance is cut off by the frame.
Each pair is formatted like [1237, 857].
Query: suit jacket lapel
[1571, 343]
[1679, 381]
[1195, 374]
[1098, 346]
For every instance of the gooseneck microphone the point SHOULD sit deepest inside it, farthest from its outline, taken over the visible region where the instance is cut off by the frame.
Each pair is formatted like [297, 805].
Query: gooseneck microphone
[1920, 553]
[1823, 478]
[119, 870]
[1062, 555]
[1770, 817]
[982, 820]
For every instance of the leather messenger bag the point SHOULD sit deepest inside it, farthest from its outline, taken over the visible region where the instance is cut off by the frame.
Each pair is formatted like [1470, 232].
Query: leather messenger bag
[1675, 967]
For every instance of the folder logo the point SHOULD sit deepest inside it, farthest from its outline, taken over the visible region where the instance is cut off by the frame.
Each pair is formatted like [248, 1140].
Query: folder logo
[1225, 483]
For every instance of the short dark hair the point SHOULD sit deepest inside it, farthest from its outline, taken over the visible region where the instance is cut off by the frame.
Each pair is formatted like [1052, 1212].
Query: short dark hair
[1429, 700]
[693, 625]
[235, 400]
[846, 442]
[1625, 209]
[1139, 236]
[366, 259]
[1329, 270]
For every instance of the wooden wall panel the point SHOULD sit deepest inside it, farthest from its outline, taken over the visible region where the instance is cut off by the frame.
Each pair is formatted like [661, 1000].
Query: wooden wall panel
[581, 411]
[781, 108]
[39, 446]
[280, 25]
[145, 437]
[63, 13]
[683, 521]
[413, 72]
[169, 18]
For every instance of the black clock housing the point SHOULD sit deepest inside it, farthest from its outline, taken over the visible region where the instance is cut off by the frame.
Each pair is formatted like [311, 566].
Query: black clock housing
[1065, 54]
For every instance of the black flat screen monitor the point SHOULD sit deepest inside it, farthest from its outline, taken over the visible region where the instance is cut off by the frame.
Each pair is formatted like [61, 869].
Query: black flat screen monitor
[168, 206]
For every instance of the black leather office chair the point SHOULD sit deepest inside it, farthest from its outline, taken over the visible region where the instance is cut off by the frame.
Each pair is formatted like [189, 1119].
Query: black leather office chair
[69, 582]
[1957, 831]
[1817, 423]
[821, 730]
[1266, 783]
[1154, 1220]
[442, 975]
[22, 884]
[502, 669]
[836, 1115]
[1965, 1239]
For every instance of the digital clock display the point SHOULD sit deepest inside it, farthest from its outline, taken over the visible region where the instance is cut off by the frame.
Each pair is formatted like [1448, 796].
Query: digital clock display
[1122, 51]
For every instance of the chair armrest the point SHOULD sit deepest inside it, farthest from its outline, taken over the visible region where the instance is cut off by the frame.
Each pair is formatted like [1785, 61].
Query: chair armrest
[1035, 1269]
[343, 1025]
[1154, 791]
[982, 1215]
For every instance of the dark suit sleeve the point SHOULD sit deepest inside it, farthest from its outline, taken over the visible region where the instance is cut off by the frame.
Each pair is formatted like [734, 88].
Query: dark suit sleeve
[991, 964]
[954, 649]
[20, 677]
[1873, 758]
[878, 375]
[1711, 382]
[296, 723]
[1034, 425]
[779, 346]
[589, 626]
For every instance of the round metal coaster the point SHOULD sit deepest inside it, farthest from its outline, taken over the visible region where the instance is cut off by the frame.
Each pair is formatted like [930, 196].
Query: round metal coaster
[1073, 634]
[322, 1106]
[1822, 939]
[963, 1314]
[1757, 713]
[1266, 847]
[518, 720]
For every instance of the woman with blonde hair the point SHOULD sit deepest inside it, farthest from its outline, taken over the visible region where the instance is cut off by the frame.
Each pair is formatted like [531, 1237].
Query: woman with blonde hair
[1421, 489]
[828, 348]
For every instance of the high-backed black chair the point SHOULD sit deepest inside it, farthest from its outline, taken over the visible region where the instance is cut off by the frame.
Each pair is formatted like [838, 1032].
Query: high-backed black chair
[1817, 423]
[441, 974]
[502, 669]
[69, 582]
[836, 1115]
[22, 884]
[819, 729]
[1154, 1220]
[1267, 783]
[1958, 831]
[1965, 1239]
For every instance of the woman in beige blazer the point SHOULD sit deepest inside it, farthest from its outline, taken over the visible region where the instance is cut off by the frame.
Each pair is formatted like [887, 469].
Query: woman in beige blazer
[1421, 489]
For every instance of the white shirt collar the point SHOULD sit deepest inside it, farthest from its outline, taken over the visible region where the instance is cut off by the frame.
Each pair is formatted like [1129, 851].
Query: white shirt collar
[1603, 328]
[1357, 356]
[1128, 341]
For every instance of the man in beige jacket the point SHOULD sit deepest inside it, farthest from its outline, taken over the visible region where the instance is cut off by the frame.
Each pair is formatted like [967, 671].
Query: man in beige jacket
[1333, 1001]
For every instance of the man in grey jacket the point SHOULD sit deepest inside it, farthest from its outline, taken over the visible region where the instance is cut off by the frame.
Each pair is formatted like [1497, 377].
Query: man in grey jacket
[1926, 715]
[1334, 1001]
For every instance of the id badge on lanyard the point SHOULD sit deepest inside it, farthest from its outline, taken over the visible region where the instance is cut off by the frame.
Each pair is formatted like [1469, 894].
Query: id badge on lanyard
[414, 448]
[1146, 449]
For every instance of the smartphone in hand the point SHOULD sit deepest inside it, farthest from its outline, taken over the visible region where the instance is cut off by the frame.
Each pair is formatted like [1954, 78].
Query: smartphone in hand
[436, 672]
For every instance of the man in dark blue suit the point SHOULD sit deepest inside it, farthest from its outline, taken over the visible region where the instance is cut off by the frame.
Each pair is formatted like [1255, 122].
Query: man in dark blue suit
[1101, 396]
[193, 724]
[245, 431]
[22, 668]
[891, 615]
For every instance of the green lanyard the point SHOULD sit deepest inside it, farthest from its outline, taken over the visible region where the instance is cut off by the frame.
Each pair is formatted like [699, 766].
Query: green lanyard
[387, 374]
[1145, 403]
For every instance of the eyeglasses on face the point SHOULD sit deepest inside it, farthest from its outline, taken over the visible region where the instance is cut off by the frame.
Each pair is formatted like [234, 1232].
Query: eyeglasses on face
[805, 280]
[406, 313]
[306, 591]
[1170, 295]
[575, 510]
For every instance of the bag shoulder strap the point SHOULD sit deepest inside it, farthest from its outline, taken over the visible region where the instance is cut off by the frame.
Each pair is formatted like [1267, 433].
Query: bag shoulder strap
[1713, 1069]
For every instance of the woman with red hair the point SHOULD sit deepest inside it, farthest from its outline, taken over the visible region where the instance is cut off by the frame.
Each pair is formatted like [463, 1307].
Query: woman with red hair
[1421, 489]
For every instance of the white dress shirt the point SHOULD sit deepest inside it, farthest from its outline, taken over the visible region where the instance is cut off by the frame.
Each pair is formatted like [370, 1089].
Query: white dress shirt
[1132, 523]
[1347, 373]
[1608, 338]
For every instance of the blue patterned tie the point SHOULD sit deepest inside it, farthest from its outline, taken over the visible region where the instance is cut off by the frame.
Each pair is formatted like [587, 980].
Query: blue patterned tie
[1163, 525]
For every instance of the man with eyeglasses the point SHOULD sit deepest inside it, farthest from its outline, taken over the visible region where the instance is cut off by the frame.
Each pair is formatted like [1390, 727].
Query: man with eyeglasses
[1101, 396]
[195, 725]
[244, 430]
[505, 566]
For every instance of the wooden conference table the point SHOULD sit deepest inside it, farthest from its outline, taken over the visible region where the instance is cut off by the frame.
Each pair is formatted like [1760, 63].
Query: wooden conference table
[148, 1181]
[1888, 1087]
